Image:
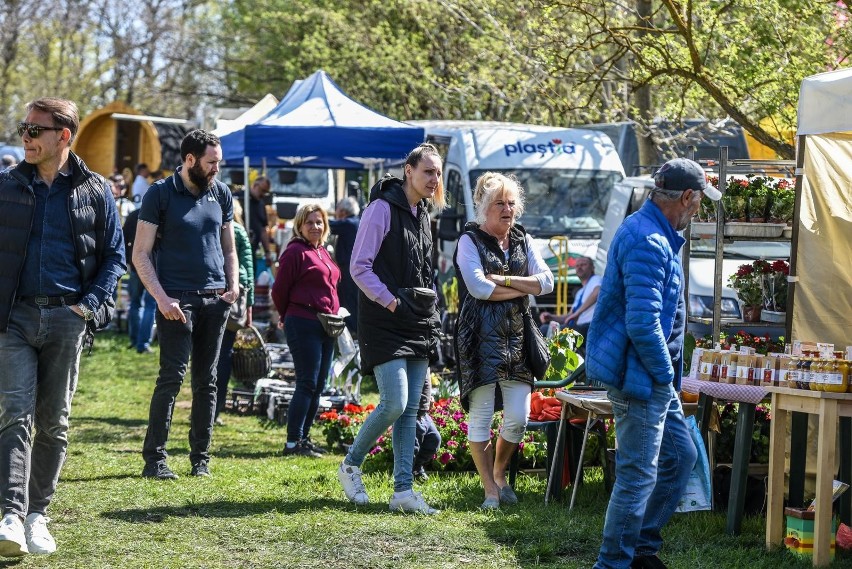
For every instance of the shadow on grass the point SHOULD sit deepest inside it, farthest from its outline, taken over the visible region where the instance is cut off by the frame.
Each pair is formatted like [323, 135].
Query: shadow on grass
[104, 477]
[226, 509]
[550, 535]
[11, 561]
[114, 421]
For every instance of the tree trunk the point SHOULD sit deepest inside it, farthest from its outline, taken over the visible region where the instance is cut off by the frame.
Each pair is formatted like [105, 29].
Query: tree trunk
[642, 99]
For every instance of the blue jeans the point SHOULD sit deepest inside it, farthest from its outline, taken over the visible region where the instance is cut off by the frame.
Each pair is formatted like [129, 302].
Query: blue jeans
[201, 337]
[140, 317]
[400, 383]
[311, 349]
[653, 462]
[40, 355]
[427, 441]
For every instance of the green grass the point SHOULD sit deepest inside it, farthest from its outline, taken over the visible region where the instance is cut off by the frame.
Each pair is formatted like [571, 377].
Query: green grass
[261, 510]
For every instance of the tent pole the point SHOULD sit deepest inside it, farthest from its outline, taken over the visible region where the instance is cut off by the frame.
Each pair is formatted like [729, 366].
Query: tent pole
[792, 280]
[246, 186]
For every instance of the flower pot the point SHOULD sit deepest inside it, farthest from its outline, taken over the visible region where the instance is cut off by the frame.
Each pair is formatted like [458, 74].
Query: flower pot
[773, 316]
[751, 313]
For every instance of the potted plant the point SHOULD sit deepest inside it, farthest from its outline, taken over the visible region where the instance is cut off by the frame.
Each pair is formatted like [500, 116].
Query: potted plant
[748, 282]
[775, 291]
[783, 200]
[735, 199]
[757, 194]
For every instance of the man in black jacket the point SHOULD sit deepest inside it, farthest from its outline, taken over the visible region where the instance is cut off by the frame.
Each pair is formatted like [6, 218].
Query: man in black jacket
[62, 254]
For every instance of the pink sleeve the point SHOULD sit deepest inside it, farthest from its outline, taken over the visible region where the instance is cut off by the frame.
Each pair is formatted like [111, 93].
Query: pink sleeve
[374, 227]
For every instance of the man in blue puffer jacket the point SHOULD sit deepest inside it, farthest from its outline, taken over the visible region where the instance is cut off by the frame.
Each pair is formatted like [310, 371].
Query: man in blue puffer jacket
[635, 348]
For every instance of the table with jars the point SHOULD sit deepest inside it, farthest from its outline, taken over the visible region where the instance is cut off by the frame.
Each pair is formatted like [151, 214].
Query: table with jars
[816, 386]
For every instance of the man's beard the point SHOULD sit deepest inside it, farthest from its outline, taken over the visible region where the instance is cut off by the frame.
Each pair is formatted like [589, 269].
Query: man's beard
[198, 177]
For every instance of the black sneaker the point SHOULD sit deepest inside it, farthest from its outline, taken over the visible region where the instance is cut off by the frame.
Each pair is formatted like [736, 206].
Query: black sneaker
[300, 450]
[314, 447]
[158, 470]
[647, 562]
[200, 469]
[420, 474]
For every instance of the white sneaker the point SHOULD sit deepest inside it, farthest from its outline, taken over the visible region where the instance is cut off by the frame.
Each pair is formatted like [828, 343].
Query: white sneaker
[13, 542]
[39, 539]
[411, 502]
[353, 487]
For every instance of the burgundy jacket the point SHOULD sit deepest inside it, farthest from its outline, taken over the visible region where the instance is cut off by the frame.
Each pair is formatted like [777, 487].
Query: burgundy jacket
[306, 282]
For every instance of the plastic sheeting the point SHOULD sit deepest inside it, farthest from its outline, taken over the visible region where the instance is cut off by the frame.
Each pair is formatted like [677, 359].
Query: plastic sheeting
[825, 103]
[823, 301]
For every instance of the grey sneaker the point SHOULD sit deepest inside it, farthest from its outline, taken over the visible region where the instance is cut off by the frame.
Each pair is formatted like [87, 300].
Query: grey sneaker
[39, 540]
[490, 504]
[508, 496]
[353, 487]
[200, 469]
[13, 542]
[411, 502]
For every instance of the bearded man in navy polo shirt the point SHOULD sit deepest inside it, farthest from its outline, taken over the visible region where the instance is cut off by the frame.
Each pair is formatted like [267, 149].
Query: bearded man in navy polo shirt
[184, 253]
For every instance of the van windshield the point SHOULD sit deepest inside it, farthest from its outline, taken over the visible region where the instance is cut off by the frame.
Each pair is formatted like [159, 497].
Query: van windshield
[562, 202]
[287, 182]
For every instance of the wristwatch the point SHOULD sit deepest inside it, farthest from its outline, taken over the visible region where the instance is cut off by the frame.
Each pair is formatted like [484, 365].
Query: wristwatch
[87, 312]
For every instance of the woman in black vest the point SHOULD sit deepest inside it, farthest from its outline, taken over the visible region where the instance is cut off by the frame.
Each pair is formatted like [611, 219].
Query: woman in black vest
[499, 266]
[397, 317]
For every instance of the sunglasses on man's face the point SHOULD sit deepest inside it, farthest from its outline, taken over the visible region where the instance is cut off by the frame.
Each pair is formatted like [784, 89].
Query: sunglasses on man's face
[34, 130]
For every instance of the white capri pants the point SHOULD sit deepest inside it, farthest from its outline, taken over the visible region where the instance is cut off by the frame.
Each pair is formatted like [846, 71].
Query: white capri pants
[516, 411]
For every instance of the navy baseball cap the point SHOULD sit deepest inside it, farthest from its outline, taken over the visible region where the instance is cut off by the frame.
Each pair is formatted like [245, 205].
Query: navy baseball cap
[682, 174]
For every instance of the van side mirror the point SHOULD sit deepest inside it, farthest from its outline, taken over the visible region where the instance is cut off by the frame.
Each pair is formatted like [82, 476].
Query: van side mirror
[448, 226]
[287, 177]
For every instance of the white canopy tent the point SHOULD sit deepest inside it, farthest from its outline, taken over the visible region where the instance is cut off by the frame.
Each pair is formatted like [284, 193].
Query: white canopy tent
[821, 269]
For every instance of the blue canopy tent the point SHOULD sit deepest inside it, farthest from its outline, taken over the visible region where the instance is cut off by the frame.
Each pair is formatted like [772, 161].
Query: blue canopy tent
[316, 125]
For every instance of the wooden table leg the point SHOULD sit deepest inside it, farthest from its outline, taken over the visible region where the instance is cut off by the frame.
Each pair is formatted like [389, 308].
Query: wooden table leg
[739, 473]
[775, 501]
[826, 450]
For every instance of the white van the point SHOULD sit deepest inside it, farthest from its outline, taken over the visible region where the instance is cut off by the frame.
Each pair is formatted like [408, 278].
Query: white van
[292, 187]
[567, 176]
[630, 193]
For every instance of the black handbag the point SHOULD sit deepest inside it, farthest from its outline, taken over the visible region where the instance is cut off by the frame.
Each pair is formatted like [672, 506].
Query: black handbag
[535, 346]
[238, 315]
[333, 324]
[421, 300]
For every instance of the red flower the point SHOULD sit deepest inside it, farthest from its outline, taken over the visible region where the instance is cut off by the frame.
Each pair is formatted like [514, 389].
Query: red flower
[744, 270]
[345, 420]
[350, 408]
[781, 266]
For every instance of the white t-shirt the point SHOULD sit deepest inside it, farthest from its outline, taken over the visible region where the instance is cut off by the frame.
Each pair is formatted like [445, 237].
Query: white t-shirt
[593, 283]
[140, 186]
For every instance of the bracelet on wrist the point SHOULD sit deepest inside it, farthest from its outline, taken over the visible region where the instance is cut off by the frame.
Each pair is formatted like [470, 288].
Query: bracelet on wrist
[508, 281]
